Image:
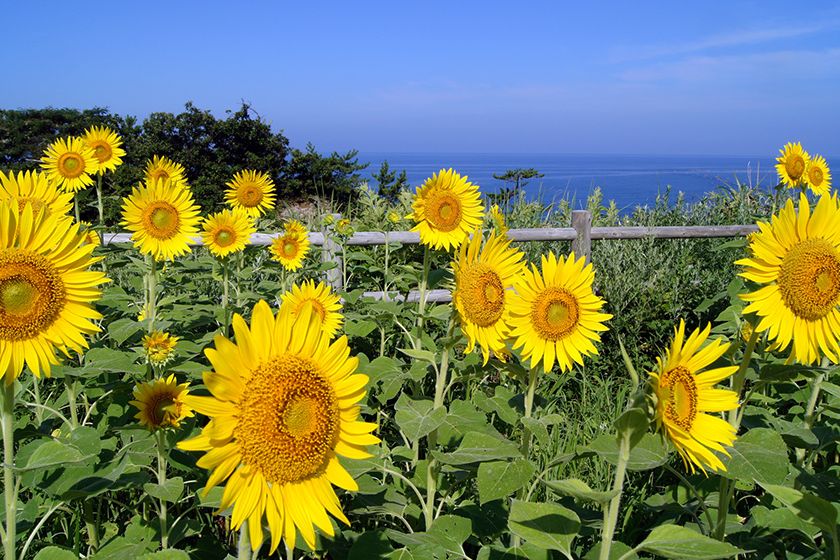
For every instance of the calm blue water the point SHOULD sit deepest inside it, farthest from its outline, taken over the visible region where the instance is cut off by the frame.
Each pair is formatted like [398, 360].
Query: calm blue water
[627, 179]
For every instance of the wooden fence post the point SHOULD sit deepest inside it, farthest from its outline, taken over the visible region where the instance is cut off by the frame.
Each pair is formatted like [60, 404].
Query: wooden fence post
[582, 244]
[330, 254]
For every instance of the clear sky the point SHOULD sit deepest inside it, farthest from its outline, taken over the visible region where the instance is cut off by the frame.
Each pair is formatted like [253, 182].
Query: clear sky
[450, 76]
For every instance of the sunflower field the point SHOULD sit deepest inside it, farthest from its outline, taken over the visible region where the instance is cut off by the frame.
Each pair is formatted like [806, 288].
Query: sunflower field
[192, 395]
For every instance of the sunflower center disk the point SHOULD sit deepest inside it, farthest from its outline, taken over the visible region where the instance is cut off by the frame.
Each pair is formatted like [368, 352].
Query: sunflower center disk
[159, 174]
[809, 279]
[36, 204]
[250, 195]
[795, 167]
[315, 306]
[679, 391]
[71, 165]
[481, 294]
[288, 420]
[161, 219]
[225, 237]
[555, 313]
[102, 151]
[162, 409]
[444, 211]
[815, 176]
[289, 248]
[32, 295]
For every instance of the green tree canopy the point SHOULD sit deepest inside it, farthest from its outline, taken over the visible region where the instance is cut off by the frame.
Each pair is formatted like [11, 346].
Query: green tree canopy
[390, 184]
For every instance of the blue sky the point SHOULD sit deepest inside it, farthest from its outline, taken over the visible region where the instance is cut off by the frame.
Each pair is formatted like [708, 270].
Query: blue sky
[454, 76]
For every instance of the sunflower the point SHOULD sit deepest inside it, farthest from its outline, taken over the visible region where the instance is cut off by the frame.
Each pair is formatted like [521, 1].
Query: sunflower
[161, 167]
[394, 217]
[162, 403]
[555, 314]
[159, 347]
[792, 164]
[163, 218]
[69, 164]
[497, 219]
[320, 298]
[483, 278]
[818, 176]
[294, 226]
[446, 208]
[684, 396]
[796, 259]
[33, 187]
[227, 232]
[106, 145]
[251, 191]
[290, 249]
[47, 289]
[284, 407]
[91, 236]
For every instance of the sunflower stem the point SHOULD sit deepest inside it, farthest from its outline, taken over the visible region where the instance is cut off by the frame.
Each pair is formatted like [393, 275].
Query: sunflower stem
[70, 386]
[39, 412]
[611, 513]
[9, 482]
[161, 476]
[226, 295]
[422, 288]
[525, 445]
[243, 550]
[99, 205]
[239, 261]
[151, 298]
[76, 207]
[290, 552]
[808, 419]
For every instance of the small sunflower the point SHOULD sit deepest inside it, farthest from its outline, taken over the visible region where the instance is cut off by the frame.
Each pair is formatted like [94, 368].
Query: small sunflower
[290, 249]
[320, 298]
[684, 396]
[394, 217]
[47, 289]
[296, 227]
[446, 208]
[791, 165]
[251, 191]
[555, 314]
[818, 176]
[483, 280]
[497, 219]
[159, 347]
[162, 168]
[162, 403]
[91, 236]
[227, 232]
[70, 164]
[106, 145]
[284, 408]
[33, 187]
[344, 227]
[163, 218]
[796, 260]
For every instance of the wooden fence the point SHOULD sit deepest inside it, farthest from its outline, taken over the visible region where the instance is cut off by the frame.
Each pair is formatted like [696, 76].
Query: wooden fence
[581, 233]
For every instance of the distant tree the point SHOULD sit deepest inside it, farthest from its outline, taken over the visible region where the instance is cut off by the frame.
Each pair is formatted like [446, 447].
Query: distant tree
[518, 178]
[333, 177]
[390, 184]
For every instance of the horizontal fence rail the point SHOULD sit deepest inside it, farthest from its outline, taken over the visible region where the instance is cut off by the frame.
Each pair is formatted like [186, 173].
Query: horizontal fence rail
[580, 234]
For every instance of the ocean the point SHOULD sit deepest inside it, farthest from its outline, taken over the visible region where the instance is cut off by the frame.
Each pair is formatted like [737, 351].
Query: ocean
[630, 180]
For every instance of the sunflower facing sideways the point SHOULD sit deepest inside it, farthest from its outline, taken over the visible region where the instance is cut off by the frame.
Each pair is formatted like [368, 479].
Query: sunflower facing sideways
[555, 315]
[290, 248]
[252, 192]
[447, 208]
[161, 403]
[106, 145]
[162, 217]
[70, 164]
[791, 164]
[227, 232]
[159, 347]
[483, 279]
[684, 396]
[320, 298]
[47, 289]
[33, 187]
[818, 176]
[796, 261]
[284, 408]
[161, 167]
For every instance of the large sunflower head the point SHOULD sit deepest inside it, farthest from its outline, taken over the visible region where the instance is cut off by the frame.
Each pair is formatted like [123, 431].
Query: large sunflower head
[818, 176]
[227, 232]
[251, 191]
[159, 347]
[70, 164]
[685, 395]
[320, 298]
[162, 403]
[446, 208]
[33, 187]
[47, 289]
[484, 277]
[289, 249]
[791, 164]
[284, 407]
[161, 168]
[163, 218]
[106, 145]
[796, 262]
[555, 315]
